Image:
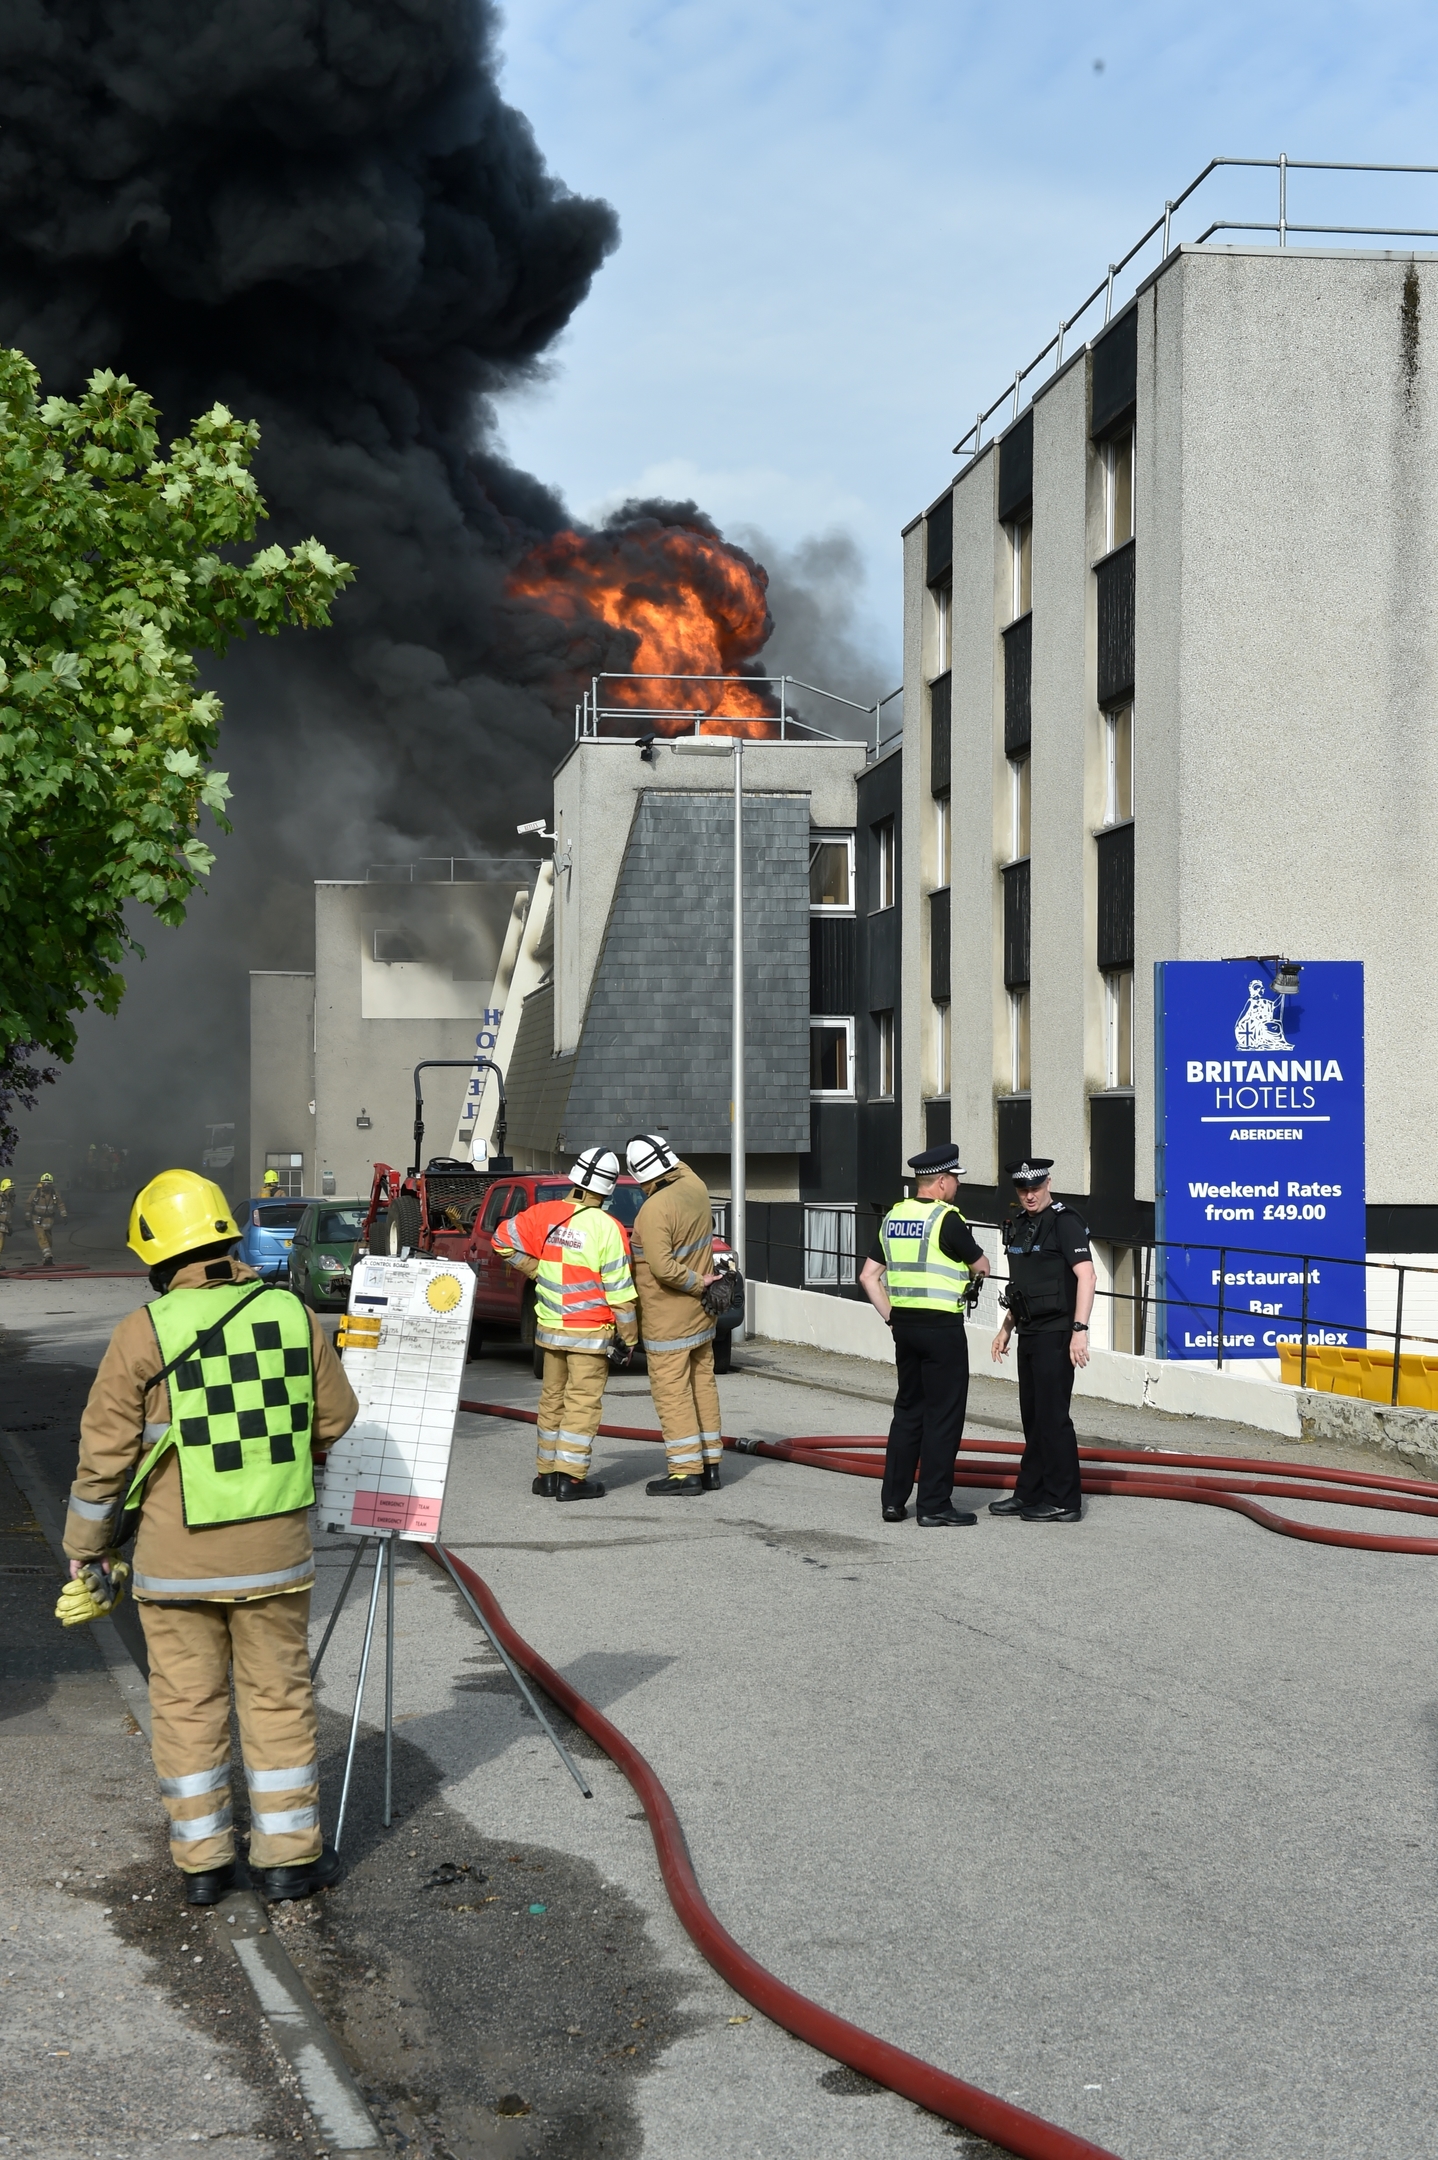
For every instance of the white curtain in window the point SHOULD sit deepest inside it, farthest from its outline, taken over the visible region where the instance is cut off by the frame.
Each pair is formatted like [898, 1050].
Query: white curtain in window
[828, 1247]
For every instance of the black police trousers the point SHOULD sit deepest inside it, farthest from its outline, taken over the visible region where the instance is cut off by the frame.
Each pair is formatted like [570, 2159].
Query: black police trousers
[1049, 1473]
[928, 1421]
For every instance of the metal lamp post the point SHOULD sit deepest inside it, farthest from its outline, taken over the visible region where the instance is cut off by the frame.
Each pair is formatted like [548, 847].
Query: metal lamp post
[726, 746]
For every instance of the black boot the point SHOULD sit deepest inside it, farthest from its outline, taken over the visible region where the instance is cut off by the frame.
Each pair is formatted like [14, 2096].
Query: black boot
[301, 1880]
[578, 1488]
[209, 1885]
[546, 1485]
[711, 1477]
[669, 1488]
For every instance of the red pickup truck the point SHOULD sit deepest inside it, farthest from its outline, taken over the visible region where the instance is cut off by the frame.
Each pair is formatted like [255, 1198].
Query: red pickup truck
[453, 1213]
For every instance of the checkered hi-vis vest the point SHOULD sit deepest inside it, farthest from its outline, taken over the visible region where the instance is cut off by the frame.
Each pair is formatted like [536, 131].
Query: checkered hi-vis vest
[241, 1415]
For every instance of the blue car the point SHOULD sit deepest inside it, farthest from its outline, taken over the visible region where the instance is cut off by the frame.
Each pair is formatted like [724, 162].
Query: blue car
[269, 1227]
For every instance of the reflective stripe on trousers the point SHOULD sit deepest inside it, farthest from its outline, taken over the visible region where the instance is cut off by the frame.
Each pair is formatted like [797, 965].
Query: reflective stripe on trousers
[193, 1649]
[570, 1404]
[686, 1402]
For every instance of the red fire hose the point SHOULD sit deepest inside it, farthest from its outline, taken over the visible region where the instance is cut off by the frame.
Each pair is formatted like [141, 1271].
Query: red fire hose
[1225, 1482]
[1012, 2127]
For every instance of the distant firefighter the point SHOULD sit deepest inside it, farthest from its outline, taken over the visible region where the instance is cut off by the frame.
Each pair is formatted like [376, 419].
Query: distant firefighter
[7, 1208]
[41, 1210]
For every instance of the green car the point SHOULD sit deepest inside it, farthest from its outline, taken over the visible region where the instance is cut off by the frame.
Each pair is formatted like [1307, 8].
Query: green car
[323, 1253]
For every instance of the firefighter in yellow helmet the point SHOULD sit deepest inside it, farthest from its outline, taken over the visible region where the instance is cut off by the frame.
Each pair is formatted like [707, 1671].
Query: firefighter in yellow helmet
[7, 1208]
[200, 1426]
[270, 1185]
[41, 1209]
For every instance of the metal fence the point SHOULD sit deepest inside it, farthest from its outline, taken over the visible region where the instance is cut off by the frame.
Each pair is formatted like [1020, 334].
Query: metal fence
[1160, 239]
[663, 700]
[1136, 1313]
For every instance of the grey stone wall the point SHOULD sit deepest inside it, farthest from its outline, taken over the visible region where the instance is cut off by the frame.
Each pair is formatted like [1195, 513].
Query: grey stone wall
[654, 1053]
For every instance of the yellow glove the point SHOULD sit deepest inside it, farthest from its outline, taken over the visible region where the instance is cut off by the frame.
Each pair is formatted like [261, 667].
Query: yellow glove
[92, 1593]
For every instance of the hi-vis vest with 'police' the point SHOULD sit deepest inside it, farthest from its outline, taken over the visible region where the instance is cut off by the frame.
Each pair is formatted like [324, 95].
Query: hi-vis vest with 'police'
[240, 1415]
[922, 1278]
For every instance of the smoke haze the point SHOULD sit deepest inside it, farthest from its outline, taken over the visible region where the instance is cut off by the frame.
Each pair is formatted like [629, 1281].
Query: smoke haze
[322, 213]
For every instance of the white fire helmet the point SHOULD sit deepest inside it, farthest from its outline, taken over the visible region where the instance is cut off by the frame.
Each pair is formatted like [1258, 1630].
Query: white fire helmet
[649, 1156]
[597, 1171]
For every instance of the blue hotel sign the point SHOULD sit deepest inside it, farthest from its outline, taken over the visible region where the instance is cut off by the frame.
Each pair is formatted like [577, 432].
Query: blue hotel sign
[1259, 1156]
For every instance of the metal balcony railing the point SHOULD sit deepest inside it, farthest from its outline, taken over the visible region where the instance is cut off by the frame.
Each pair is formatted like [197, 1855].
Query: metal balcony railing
[654, 702]
[1162, 231]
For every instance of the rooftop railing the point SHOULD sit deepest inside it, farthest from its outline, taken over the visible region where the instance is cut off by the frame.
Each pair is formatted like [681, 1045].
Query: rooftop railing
[698, 703]
[1161, 231]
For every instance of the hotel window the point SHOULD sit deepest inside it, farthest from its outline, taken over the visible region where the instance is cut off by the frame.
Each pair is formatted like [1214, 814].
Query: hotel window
[943, 627]
[941, 841]
[1019, 799]
[1118, 1028]
[1118, 759]
[1019, 1042]
[884, 866]
[941, 1049]
[883, 1065]
[1021, 551]
[831, 1057]
[290, 1170]
[828, 1248]
[831, 872]
[1118, 489]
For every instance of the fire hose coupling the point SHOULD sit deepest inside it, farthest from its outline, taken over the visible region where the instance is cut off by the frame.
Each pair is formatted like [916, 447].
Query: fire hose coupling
[749, 1447]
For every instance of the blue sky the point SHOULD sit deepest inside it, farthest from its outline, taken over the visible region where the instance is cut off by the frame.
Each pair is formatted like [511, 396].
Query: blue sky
[844, 226]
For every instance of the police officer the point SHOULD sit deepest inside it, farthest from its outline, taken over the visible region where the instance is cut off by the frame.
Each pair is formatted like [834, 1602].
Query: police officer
[200, 1423]
[917, 1277]
[1049, 1299]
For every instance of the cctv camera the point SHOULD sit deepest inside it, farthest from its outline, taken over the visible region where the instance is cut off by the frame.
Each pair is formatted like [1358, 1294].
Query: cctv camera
[534, 825]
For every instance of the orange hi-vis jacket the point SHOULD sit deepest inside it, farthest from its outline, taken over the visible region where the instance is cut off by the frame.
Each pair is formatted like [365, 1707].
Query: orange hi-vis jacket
[522, 1236]
[584, 1286]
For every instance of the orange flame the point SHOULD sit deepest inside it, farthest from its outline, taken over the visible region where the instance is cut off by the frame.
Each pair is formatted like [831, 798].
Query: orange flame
[691, 604]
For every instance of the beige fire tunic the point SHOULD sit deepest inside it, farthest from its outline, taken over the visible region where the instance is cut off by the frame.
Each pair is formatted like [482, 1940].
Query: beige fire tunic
[228, 1562]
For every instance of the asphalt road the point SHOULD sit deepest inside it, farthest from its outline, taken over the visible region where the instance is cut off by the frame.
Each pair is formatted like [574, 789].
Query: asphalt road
[1132, 1822]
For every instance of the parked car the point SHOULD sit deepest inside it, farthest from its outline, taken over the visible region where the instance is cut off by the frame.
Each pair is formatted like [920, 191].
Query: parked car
[504, 1299]
[322, 1256]
[269, 1233]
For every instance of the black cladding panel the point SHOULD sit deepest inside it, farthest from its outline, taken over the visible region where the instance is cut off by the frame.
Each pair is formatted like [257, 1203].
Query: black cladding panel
[1016, 468]
[939, 540]
[1015, 1126]
[941, 708]
[1115, 374]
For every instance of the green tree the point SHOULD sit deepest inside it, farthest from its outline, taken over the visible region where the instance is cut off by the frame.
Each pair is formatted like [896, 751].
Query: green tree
[117, 567]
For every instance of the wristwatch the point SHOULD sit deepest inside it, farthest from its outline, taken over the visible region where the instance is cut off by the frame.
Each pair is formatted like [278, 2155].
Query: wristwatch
[1080, 1327]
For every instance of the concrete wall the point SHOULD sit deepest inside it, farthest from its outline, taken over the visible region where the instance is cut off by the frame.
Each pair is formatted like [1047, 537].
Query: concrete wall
[916, 825]
[1286, 529]
[1296, 519]
[596, 791]
[1066, 783]
[282, 1077]
[978, 1014]
[366, 1065]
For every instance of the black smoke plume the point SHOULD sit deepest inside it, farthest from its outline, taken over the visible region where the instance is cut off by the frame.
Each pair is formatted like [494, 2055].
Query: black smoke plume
[323, 213]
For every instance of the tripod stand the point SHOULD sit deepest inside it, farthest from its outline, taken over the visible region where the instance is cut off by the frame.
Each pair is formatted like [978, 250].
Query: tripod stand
[384, 1542]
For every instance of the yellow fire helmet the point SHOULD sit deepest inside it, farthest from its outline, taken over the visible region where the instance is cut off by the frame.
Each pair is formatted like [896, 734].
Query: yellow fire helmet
[176, 1212]
[7, 1184]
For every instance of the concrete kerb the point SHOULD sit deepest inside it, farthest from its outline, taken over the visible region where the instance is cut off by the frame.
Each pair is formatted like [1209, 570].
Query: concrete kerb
[300, 2033]
[848, 1327]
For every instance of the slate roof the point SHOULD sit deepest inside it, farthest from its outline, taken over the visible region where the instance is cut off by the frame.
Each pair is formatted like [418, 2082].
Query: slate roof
[654, 1051]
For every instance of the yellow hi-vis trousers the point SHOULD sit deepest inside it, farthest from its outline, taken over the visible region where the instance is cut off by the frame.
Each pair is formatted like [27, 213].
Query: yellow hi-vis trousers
[686, 1402]
[570, 1402]
[193, 1650]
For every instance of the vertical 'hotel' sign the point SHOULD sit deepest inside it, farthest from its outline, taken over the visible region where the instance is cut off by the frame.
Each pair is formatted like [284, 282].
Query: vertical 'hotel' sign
[1258, 1103]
